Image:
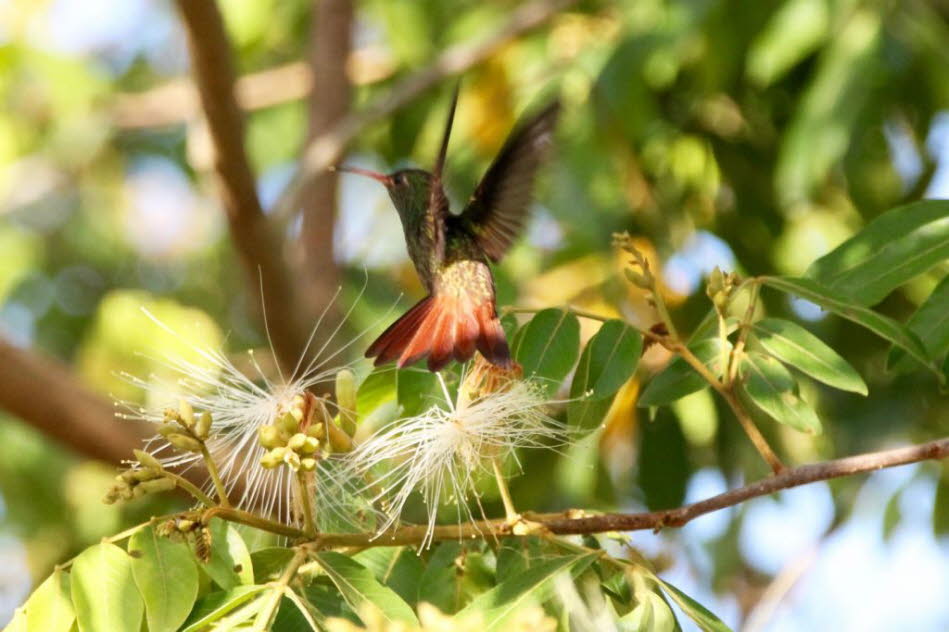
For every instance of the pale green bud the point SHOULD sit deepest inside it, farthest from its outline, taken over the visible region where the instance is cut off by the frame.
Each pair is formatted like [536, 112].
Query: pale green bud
[308, 464]
[147, 460]
[270, 437]
[273, 458]
[202, 427]
[346, 390]
[317, 431]
[289, 423]
[292, 459]
[185, 412]
[297, 442]
[157, 485]
[184, 442]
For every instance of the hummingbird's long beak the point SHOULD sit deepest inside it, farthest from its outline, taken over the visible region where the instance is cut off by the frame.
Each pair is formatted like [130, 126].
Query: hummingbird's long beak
[375, 175]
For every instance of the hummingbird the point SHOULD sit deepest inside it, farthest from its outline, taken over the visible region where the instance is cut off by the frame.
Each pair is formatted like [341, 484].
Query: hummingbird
[452, 253]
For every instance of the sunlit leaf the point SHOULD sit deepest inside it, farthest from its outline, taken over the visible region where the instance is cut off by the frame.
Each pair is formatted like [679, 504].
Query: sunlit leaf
[418, 390]
[794, 345]
[166, 577]
[50, 607]
[547, 346]
[931, 324]
[230, 563]
[679, 379]
[607, 362]
[696, 611]
[772, 389]
[219, 604]
[359, 587]
[795, 30]
[269, 563]
[103, 590]
[889, 251]
[651, 614]
[496, 605]
[378, 388]
[886, 328]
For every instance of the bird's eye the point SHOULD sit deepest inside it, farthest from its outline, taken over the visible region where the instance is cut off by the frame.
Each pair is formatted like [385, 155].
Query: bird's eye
[400, 179]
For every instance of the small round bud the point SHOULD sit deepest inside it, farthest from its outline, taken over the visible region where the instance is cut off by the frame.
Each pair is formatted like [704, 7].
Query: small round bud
[184, 525]
[202, 427]
[273, 458]
[167, 429]
[637, 278]
[289, 423]
[297, 442]
[296, 409]
[269, 437]
[140, 475]
[716, 282]
[308, 464]
[310, 445]
[184, 442]
[317, 431]
[346, 390]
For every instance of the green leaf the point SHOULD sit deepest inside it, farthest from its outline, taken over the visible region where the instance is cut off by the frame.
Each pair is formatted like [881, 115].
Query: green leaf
[795, 31]
[663, 461]
[218, 604]
[886, 328]
[496, 605]
[290, 618]
[270, 563]
[679, 379]
[166, 577]
[50, 607]
[651, 614]
[399, 568]
[103, 591]
[548, 345]
[696, 611]
[772, 389]
[230, 563]
[609, 359]
[358, 586]
[794, 345]
[820, 131]
[439, 583]
[377, 389]
[931, 324]
[892, 249]
[418, 390]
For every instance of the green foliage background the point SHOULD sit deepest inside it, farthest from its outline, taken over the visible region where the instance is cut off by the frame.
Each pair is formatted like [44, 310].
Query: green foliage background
[781, 127]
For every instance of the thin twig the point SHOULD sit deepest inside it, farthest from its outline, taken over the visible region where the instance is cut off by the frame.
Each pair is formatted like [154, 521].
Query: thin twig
[569, 523]
[324, 150]
[215, 476]
[189, 487]
[509, 509]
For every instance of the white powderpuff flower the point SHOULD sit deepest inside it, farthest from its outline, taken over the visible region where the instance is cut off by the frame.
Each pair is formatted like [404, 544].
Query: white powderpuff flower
[444, 451]
[240, 405]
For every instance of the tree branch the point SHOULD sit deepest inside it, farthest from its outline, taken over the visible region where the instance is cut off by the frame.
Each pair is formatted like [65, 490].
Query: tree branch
[568, 523]
[45, 394]
[254, 240]
[325, 149]
[330, 46]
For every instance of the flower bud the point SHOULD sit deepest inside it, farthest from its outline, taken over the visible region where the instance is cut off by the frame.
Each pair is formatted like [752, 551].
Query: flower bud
[296, 409]
[184, 442]
[185, 413]
[292, 459]
[140, 475]
[317, 431]
[166, 429]
[269, 437]
[716, 282]
[346, 390]
[273, 458]
[157, 485]
[202, 427]
[184, 525]
[308, 464]
[637, 278]
[289, 423]
[147, 460]
[310, 445]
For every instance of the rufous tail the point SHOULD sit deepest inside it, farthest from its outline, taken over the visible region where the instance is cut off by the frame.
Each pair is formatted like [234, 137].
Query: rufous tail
[443, 328]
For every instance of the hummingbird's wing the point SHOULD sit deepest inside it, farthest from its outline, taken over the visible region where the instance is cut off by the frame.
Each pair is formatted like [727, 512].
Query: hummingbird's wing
[438, 208]
[497, 210]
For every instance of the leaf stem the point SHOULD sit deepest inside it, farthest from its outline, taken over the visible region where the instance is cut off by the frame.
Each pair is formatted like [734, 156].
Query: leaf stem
[190, 487]
[281, 586]
[509, 509]
[215, 476]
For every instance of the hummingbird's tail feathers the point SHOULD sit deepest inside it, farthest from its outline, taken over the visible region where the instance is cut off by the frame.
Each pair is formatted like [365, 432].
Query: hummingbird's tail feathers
[443, 328]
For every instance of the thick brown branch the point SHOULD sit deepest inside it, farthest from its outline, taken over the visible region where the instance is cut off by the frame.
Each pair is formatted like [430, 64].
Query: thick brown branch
[569, 524]
[253, 238]
[46, 395]
[327, 148]
[331, 42]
